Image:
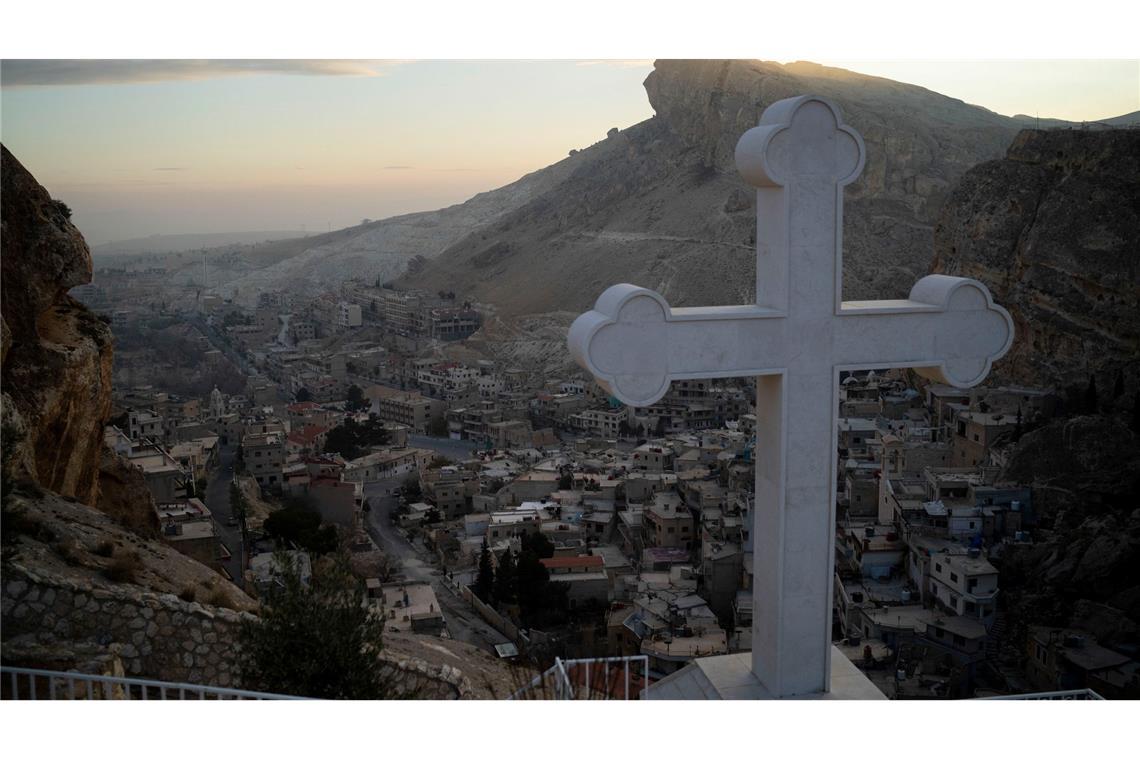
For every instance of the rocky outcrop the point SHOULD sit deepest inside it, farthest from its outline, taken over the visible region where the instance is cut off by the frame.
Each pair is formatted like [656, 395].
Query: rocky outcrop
[57, 354]
[1054, 230]
[76, 583]
[123, 495]
[660, 204]
[1085, 474]
[1092, 460]
[63, 539]
[57, 360]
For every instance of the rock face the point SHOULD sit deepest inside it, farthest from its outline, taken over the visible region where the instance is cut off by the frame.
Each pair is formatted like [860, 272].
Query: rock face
[1085, 473]
[660, 204]
[1054, 230]
[57, 360]
[56, 354]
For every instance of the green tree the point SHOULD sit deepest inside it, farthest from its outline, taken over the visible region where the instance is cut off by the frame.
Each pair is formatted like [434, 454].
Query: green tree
[351, 439]
[539, 545]
[532, 580]
[300, 525]
[437, 427]
[320, 640]
[411, 489]
[356, 400]
[485, 579]
[506, 589]
[541, 600]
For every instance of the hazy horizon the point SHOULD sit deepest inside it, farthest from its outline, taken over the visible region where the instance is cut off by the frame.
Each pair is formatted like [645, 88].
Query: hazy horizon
[144, 148]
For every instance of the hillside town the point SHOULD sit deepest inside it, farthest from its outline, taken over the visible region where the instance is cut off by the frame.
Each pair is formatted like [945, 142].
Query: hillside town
[536, 516]
[812, 385]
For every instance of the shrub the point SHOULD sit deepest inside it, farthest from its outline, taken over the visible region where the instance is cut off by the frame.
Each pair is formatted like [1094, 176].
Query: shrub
[124, 568]
[69, 551]
[319, 640]
[218, 597]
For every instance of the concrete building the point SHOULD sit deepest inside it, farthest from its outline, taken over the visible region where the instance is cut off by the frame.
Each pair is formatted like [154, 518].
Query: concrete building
[964, 585]
[585, 577]
[349, 315]
[188, 526]
[264, 457]
[668, 523]
[410, 608]
[975, 432]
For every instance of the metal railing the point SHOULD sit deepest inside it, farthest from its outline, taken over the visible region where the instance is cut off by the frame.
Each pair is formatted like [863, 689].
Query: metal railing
[590, 678]
[31, 683]
[1078, 695]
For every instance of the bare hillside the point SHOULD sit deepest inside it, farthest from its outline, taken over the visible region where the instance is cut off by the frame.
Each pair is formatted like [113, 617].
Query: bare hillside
[660, 204]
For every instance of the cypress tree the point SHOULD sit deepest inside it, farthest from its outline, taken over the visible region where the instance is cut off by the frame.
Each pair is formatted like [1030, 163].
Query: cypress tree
[485, 580]
[505, 580]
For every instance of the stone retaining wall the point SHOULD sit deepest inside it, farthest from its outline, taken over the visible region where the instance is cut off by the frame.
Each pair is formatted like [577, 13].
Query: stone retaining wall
[160, 636]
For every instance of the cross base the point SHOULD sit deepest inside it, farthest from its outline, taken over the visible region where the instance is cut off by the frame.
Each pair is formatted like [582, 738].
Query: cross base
[730, 676]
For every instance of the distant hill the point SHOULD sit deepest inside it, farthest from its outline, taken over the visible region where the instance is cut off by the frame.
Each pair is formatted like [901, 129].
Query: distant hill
[187, 242]
[384, 249]
[660, 203]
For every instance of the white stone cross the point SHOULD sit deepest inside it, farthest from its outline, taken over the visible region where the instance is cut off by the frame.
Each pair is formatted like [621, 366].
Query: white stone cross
[797, 339]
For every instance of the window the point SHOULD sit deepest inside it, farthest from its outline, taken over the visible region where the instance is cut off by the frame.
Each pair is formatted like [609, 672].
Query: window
[971, 584]
[953, 577]
[959, 640]
[937, 567]
[939, 633]
[975, 436]
[671, 530]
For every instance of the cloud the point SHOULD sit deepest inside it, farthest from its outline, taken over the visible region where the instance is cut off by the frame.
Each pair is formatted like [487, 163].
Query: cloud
[169, 169]
[398, 166]
[46, 73]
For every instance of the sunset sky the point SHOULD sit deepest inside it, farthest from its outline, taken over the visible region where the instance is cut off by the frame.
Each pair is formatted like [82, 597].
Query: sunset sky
[139, 148]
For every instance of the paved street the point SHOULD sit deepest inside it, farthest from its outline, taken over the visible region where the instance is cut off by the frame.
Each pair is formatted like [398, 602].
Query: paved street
[218, 502]
[463, 622]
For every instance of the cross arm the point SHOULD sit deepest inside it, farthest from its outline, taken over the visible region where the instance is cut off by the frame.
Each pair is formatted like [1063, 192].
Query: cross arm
[635, 344]
[949, 330]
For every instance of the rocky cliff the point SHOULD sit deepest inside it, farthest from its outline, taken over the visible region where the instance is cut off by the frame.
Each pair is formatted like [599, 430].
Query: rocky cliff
[1054, 230]
[660, 203]
[81, 573]
[56, 354]
[1085, 474]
